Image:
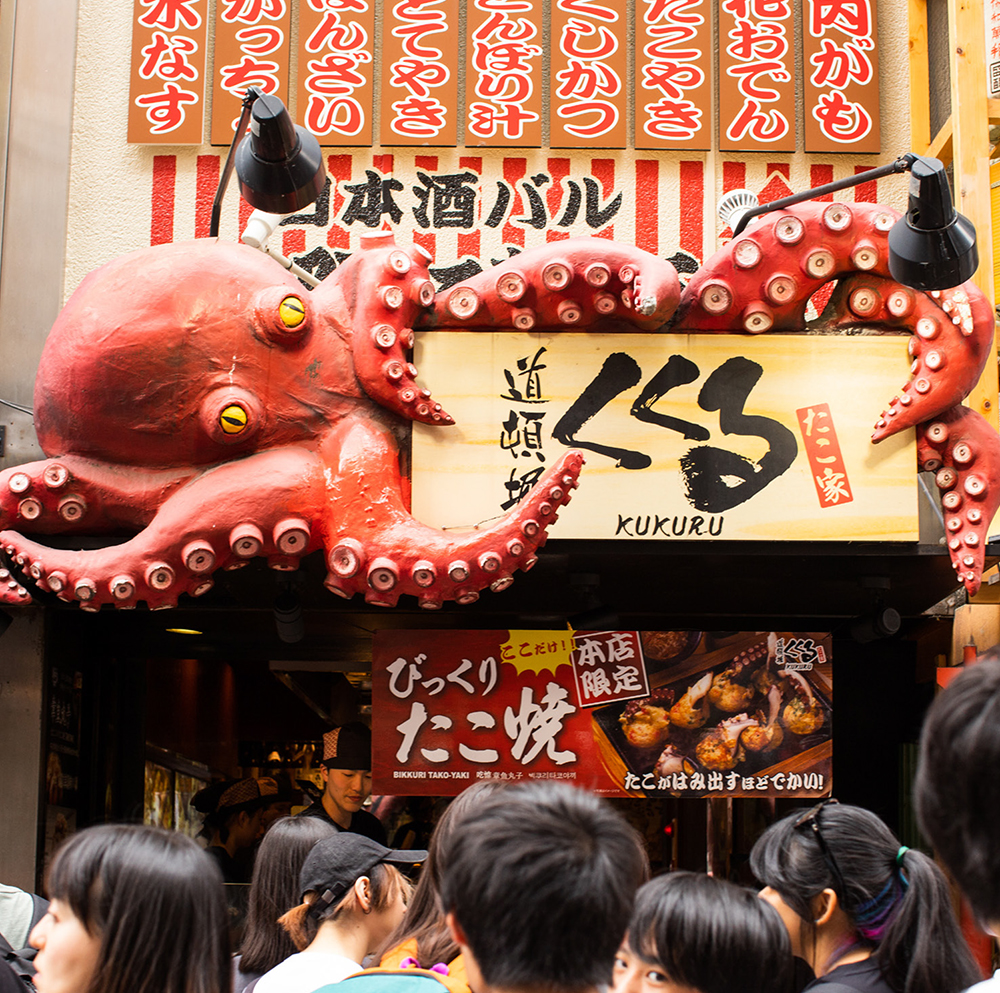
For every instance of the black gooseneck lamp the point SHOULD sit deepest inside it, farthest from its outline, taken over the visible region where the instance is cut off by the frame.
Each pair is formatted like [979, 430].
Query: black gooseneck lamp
[932, 247]
[279, 165]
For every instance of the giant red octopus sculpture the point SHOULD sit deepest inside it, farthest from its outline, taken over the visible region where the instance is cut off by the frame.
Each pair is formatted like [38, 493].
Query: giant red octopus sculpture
[197, 396]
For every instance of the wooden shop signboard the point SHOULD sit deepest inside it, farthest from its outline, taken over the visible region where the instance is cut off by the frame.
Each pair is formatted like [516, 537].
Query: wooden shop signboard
[622, 713]
[167, 87]
[687, 437]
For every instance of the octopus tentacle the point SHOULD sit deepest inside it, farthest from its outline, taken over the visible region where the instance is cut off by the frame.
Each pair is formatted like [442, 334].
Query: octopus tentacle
[570, 283]
[763, 279]
[952, 341]
[223, 518]
[71, 495]
[963, 451]
[950, 349]
[381, 291]
[376, 548]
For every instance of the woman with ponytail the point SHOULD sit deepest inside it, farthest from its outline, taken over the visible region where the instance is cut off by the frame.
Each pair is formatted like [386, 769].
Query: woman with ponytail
[353, 896]
[866, 913]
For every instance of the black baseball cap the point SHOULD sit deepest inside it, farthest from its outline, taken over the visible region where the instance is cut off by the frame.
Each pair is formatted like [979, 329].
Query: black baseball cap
[335, 864]
[348, 747]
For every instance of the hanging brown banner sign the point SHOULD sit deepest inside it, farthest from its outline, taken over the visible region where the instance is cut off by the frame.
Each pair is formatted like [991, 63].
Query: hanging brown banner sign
[336, 44]
[840, 61]
[251, 49]
[420, 72]
[622, 713]
[756, 76]
[166, 94]
[673, 93]
[503, 85]
[587, 107]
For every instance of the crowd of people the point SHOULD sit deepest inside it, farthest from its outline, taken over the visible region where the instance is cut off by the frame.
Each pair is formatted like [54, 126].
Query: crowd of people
[543, 888]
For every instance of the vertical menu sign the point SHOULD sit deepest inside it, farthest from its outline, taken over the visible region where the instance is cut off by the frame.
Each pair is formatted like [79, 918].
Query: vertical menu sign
[251, 49]
[420, 72]
[992, 11]
[166, 93]
[504, 93]
[673, 94]
[335, 70]
[840, 56]
[589, 66]
[756, 76]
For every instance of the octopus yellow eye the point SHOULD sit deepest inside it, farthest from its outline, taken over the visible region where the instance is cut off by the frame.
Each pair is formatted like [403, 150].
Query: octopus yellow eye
[292, 312]
[233, 419]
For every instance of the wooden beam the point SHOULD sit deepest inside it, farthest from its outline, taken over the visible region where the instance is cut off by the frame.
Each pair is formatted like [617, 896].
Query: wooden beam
[971, 159]
[969, 117]
[941, 146]
[920, 84]
[993, 107]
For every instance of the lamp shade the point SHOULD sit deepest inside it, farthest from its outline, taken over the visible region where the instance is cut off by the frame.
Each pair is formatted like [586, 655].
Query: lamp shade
[932, 247]
[279, 165]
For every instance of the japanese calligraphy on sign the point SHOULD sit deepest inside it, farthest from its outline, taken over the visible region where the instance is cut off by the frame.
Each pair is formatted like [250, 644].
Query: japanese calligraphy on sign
[336, 41]
[649, 412]
[503, 87]
[608, 666]
[991, 10]
[840, 57]
[756, 75]
[673, 94]
[420, 72]
[450, 708]
[251, 49]
[825, 459]
[166, 95]
[588, 104]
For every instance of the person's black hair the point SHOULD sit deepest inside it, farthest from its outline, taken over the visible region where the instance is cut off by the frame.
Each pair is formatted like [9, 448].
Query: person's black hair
[541, 879]
[424, 920]
[156, 902]
[958, 787]
[710, 935]
[896, 900]
[274, 890]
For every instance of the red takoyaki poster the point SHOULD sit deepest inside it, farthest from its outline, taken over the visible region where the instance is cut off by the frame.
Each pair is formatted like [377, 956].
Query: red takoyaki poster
[623, 713]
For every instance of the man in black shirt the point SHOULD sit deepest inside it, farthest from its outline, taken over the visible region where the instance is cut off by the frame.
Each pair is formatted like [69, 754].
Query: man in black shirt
[347, 782]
